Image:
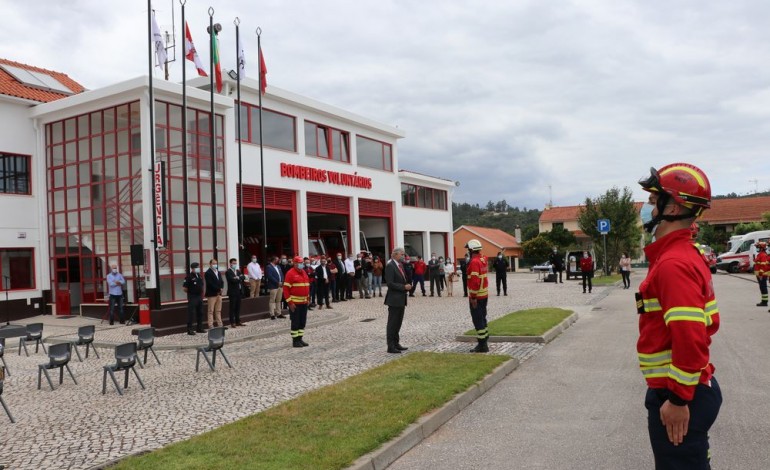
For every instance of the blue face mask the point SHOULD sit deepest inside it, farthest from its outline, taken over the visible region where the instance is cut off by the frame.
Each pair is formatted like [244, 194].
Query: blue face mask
[646, 213]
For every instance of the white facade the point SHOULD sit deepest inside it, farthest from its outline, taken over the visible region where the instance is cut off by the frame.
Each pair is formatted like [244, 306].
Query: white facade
[425, 229]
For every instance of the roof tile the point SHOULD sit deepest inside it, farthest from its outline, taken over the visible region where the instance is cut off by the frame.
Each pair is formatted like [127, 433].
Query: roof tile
[11, 87]
[495, 236]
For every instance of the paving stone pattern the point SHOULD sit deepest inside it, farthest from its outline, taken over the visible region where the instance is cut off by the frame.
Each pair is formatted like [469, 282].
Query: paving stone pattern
[76, 427]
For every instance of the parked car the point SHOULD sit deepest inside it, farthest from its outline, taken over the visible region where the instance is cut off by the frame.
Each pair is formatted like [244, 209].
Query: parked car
[572, 263]
[740, 258]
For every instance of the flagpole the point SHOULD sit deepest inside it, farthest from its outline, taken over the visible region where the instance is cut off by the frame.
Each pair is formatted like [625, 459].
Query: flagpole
[213, 127]
[184, 145]
[237, 23]
[261, 148]
[151, 63]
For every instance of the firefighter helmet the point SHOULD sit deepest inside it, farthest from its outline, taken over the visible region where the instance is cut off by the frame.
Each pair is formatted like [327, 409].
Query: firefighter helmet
[686, 184]
[761, 245]
[694, 229]
[473, 245]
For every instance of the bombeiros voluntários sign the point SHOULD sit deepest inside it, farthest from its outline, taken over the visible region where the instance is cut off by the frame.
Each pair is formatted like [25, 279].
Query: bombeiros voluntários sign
[325, 176]
[160, 219]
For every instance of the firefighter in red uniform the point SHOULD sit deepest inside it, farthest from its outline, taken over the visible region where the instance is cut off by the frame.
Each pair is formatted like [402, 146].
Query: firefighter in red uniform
[478, 286]
[762, 269]
[678, 316]
[296, 291]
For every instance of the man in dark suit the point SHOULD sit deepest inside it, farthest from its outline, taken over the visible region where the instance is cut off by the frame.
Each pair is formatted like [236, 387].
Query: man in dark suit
[323, 278]
[214, 286]
[193, 285]
[274, 275]
[235, 279]
[395, 299]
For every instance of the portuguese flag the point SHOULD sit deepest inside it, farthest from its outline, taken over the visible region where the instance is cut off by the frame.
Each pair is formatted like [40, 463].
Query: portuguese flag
[217, 65]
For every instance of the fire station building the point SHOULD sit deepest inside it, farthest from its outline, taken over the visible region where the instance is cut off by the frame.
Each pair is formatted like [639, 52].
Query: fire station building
[76, 188]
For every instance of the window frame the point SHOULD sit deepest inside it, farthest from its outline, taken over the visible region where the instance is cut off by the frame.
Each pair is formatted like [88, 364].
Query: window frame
[28, 159]
[383, 156]
[33, 269]
[420, 192]
[251, 139]
[328, 133]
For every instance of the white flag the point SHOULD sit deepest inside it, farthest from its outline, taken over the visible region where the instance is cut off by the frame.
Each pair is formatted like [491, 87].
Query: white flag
[241, 65]
[158, 44]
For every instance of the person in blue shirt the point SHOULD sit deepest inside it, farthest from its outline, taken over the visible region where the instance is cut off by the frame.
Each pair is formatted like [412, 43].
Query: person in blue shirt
[115, 283]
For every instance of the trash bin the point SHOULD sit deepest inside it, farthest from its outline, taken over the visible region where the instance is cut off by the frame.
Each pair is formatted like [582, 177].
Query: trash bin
[144, 311]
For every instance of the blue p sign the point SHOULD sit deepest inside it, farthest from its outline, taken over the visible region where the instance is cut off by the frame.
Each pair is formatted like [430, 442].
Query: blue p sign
[603, 225]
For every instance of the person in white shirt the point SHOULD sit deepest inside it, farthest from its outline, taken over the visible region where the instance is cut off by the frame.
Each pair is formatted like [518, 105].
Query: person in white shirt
[350, 269]
[449, 272]
[255, 277]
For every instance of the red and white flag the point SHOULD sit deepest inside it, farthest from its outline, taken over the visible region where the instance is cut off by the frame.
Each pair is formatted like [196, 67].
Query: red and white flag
[190, 53]
[262, 73]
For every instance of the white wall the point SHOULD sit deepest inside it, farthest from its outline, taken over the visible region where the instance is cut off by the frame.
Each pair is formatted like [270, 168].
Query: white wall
[20, 215]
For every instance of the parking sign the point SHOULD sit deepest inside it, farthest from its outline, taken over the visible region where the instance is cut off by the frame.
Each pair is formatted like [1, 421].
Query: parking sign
[603, 225]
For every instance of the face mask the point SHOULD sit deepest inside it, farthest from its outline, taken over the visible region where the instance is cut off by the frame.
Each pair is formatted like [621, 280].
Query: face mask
[283, 260]
[554, 251]
[433, 258]
[467, 258]
[339, 257]
[646, 215]
[253, 260]
[195, 270]
[234, 266]
[585, 255]
[114, 271]
[298, 265]
[214, 267]
[307, 264]
[499, 256]
[323, 263]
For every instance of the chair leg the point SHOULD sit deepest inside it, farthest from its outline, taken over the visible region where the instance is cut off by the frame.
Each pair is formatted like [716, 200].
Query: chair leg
[138, 378]
[71, 374]
[153, 353]
[6, 366]
[41, 344]
[87, 344]
[39, 376]
[214, 357]
[115, 381]
[7, 411]
[139, 361]
[104, 382]
[61, 375]
[222, 352]
[145, 357]
[48, 377]
[23, 342]
[125, 384]
[75, 347]
[94, 348]
[197, 360]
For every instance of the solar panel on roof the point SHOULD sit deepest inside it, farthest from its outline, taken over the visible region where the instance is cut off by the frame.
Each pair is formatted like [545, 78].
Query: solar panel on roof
[36, 79]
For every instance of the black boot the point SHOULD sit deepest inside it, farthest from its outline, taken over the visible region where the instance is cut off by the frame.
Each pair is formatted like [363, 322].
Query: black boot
[302, 342]
[762, 304]
[479, 348]
[295, 342]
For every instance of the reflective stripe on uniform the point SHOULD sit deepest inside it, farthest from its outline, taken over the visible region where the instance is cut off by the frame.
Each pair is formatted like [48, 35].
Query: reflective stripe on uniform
[684, 378]
[651, 305]
[294, 333]
[685, 314]
[481, 334]
[711, 309]
[298, 298]
[653, 372]
[655, 359]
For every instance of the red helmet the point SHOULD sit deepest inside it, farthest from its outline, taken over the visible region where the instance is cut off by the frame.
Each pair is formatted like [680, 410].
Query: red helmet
[687, 184]
[762, 245]
[298, 259]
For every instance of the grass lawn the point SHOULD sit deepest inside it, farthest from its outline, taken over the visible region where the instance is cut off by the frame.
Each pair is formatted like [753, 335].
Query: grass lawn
[330, 427]
[532, 322]
[606, 280]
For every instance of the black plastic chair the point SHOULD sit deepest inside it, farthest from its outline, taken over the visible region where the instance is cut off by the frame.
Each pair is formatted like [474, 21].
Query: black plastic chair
[59, 356]
[144, 342]
[2, 402]
[34, 333]
[216, 341]
[85, 338]
[2, 355]
[125, 359]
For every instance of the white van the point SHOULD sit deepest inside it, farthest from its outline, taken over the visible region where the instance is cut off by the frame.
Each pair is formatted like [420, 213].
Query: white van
[740, 258]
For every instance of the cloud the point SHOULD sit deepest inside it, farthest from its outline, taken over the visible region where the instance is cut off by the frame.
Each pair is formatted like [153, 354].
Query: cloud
[506, 97]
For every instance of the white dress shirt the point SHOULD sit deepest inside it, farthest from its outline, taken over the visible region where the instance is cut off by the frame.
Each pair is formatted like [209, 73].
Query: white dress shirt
[255, 271]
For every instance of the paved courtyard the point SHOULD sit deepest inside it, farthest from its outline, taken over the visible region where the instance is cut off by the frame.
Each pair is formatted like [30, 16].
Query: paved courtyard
[77, 427]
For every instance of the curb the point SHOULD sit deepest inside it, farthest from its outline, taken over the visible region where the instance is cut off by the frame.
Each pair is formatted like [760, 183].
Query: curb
[339, 317]
[426, 425]
[547, 337]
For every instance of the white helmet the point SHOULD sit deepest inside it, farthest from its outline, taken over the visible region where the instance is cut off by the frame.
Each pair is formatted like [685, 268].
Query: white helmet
[473, 245]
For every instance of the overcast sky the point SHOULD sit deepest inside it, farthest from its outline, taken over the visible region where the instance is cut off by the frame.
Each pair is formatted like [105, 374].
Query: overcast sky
[507, 97]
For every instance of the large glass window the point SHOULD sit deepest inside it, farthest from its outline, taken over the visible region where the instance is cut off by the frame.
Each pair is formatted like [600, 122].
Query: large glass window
[278, 129]
[17, 269]
[374, 154]
[419, 196]
[326, 142]
[14, 174]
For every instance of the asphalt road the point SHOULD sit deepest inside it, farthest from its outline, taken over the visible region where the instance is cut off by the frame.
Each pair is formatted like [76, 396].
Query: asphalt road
[579, 403]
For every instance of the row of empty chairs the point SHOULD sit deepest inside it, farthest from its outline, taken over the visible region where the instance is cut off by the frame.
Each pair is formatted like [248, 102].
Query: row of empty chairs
[126, 356]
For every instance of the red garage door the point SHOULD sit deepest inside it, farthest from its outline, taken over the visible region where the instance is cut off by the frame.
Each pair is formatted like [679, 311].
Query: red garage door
[328, 204]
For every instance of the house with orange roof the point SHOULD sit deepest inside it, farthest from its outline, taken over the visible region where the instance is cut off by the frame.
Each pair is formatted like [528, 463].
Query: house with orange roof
[493, 240]
[725, 214]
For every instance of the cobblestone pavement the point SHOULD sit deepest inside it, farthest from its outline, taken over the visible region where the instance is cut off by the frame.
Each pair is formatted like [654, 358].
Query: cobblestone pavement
[77, 427]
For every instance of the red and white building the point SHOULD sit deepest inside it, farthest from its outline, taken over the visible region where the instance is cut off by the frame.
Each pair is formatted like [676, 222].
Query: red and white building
[75, 184]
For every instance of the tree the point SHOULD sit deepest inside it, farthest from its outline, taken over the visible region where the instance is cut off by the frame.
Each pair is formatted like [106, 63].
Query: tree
[490, 206]
[716, 239]
[538, 248]
[625, 233]
[561, 237]
[747, 227]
